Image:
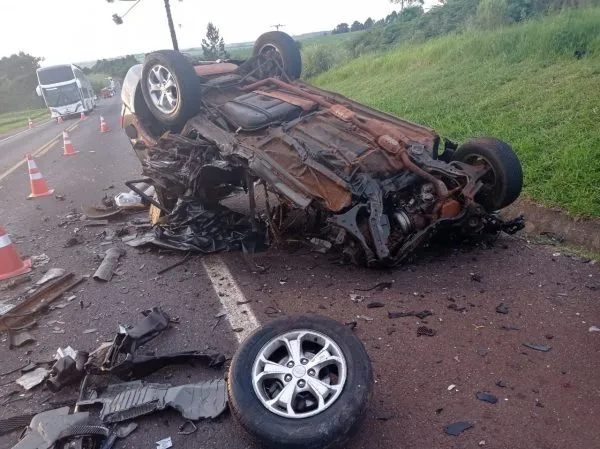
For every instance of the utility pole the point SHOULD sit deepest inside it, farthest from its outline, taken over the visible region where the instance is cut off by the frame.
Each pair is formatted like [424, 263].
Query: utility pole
[171, 27]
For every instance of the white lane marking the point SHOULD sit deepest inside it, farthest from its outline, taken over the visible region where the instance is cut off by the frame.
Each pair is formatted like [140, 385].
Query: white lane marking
[24, 131]
[239, 315]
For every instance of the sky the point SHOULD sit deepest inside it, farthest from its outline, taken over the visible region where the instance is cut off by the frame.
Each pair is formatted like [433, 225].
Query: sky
[65, 31]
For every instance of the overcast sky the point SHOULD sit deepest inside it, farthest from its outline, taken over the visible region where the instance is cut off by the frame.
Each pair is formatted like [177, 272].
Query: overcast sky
[82, 30]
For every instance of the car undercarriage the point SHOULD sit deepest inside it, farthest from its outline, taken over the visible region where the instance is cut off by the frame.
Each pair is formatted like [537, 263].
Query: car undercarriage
[374, 186]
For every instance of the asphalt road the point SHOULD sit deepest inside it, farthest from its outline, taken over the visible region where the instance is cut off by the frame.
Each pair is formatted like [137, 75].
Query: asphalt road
[551, 400]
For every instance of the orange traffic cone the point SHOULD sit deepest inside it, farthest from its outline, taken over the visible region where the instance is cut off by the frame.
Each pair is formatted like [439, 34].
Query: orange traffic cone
[69, 150]
[59, 120]
[30, 124]
[83, 116]
[103, 126]
[11, 264]
[38, 185]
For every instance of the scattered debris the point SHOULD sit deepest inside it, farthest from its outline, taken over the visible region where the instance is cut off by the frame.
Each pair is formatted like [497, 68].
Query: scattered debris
[32, 378]
[106, 269]
[165, 443]
[39, 261]
[421, 315]
[475, 277]
[538, 347]
[501, 384]
[375, 305]
[356, 298]
[52, 273]
[74, 241]
[18, 339]
[486, 397]
[510, 328]
[88, 223]
[90, 331]
[69, 368]
[363, 317]
[594, 329]
[502, 308]
[481, 443]
[454, 307]
[187, 428]
[320, 245]
[175, 265]
[351, 324]
[100, 212]
[538, 403]
[549, 336]
[385, 416]
[483, 351]
[457, 428]
[128, 400]
[424, 330]
[379, 287]
[451, 387]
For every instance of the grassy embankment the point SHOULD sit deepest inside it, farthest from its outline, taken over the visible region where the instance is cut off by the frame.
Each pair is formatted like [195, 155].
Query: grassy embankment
[15, 120]
[522, 83]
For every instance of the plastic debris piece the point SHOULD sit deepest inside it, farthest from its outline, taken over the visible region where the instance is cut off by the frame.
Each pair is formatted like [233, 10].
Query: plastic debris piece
[129, 200]
[502, 308]
[451, 387]
[32, 378]
[538, 347]
[128, 400]
[165, 443]
[486, 397]
[106, 269]
[18, 339]
[594, 329]
[455, 429]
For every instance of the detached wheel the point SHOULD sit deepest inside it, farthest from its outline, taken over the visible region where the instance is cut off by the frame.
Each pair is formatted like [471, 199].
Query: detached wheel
[170, 87]
[278, 53]
[300, 383]
[504, 179]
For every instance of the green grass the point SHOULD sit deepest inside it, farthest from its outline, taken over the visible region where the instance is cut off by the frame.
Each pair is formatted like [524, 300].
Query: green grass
[520, 83]
[15, 120]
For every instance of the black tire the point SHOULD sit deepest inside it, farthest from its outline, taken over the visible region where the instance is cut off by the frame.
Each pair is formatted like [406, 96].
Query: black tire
[287, 49]
[506, 180]
[330, 428]
[187, 85]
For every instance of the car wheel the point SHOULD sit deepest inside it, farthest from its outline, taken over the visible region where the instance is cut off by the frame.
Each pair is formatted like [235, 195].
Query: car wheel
[300, 382]
[503, 182]
[170, 88]
[278, 52]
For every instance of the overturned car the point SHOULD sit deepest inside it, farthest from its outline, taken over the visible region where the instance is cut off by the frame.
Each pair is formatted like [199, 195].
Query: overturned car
[373, 185]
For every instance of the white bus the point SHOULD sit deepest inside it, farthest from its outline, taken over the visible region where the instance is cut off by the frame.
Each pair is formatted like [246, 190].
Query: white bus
[66, 90]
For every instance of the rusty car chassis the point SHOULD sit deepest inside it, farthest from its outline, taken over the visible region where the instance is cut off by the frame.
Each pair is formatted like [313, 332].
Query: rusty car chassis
[375, 186]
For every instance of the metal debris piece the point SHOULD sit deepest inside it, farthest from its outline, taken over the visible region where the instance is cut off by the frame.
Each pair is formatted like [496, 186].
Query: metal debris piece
[457, 428]
[52, 273]
[165, 443]
[486, 397]
[38, 301]
[125, 401]
[32, 378]
[502, 308]
[424, 330]
[106, 269]
[18, 339]
[538, 347]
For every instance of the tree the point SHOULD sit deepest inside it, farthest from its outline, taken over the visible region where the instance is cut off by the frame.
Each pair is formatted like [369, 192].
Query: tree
[341, 28]
[404, 3]
[368, 23]
[18, 80]
[391, 17]
[213, 46]
[356, 26]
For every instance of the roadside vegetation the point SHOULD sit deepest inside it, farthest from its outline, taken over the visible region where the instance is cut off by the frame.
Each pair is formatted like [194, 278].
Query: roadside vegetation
[534, 84]
[16, 120]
